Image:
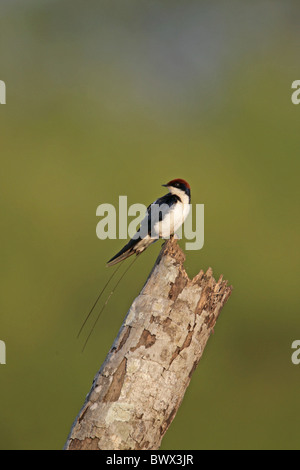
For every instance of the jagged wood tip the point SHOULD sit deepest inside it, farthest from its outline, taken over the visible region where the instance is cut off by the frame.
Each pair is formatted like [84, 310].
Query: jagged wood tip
[141, 384]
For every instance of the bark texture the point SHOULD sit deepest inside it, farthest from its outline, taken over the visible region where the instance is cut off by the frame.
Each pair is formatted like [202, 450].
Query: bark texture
[139, 388]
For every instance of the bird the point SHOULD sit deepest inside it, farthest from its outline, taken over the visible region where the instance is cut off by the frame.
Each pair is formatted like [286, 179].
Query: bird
[163, 217]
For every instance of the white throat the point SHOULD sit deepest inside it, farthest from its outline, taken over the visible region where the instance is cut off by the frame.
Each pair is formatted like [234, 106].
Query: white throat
[181, 194]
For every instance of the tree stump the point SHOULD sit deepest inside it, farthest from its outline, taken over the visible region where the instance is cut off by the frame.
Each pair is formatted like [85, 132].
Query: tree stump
[141, 384]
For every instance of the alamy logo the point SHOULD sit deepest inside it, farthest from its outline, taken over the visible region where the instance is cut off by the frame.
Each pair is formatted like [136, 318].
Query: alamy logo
[296, 354]
[296, 94]
[193, 226]
[2, 352]
[2, 92]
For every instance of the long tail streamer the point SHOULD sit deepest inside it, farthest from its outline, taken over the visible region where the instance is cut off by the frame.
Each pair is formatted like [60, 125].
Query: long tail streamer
[106, 302]
[97, 300]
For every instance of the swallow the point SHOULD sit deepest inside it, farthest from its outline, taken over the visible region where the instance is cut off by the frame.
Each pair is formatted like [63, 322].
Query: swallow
[163, 217]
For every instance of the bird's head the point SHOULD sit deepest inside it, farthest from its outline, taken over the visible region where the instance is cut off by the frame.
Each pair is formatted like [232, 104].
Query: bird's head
[178, 187]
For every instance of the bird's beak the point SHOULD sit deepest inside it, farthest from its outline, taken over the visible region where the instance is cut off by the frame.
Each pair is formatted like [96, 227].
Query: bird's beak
[165, 185]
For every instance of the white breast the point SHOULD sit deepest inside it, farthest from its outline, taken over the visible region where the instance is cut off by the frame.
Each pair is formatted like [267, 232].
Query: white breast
[172, 220]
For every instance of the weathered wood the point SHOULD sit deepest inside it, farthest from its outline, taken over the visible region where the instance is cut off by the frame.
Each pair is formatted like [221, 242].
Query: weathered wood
[141, 384]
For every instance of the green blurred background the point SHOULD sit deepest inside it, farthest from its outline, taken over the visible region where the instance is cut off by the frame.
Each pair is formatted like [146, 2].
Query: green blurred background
[109, 98]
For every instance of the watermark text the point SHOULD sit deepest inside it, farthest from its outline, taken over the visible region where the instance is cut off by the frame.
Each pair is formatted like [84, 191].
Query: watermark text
[2, 92]
[296, 94]
[296, 354]
[142, 225]
[2, 352]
